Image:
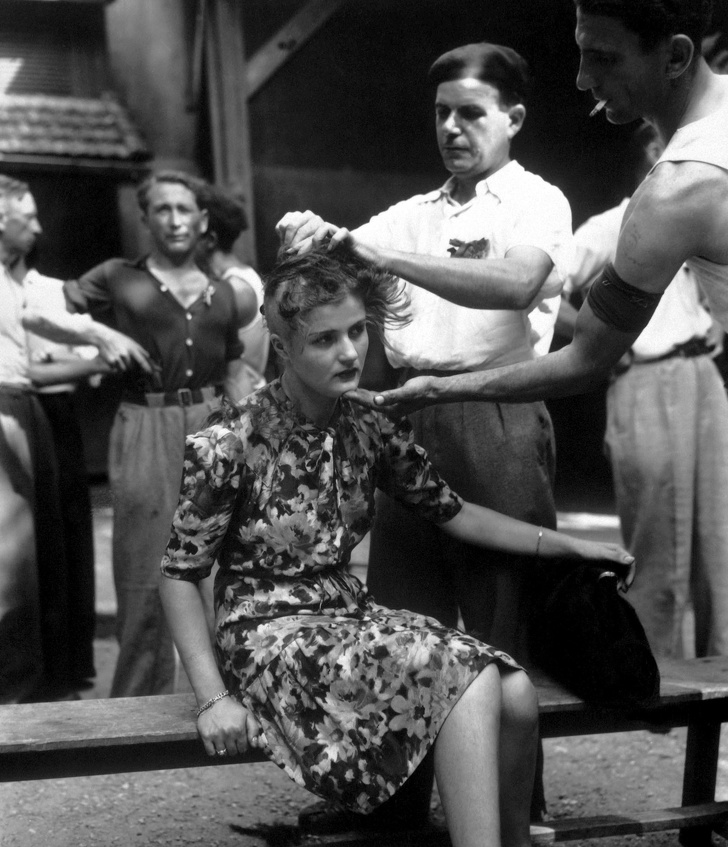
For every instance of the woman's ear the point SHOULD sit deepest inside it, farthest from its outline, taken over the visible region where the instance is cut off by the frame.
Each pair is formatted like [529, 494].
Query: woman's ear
[279, 347]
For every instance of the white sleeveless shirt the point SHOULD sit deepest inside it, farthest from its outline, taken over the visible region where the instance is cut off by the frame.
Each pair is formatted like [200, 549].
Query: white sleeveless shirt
[705, 140]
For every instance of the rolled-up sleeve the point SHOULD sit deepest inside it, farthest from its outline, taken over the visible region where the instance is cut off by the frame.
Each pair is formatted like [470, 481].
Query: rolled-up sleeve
[91, 292]
[210, 487]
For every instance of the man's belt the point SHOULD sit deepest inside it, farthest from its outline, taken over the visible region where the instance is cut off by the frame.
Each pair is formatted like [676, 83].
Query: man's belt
[180, 397]
[691, 348]
[688, 350]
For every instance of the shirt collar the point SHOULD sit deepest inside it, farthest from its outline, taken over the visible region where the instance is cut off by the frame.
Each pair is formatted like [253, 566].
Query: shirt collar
[499, 184]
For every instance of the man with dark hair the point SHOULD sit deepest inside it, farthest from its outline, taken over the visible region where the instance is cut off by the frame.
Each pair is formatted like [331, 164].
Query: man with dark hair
[481, 255]
[667, 441]
[678, 215]
[226, 220]
[188, 325]
[34, 636]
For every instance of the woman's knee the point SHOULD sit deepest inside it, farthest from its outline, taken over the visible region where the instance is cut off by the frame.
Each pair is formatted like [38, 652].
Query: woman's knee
[519, 700]
[483, 696]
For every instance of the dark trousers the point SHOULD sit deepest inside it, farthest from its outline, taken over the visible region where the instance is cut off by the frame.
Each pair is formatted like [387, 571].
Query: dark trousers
[497, 455]
[34, 637]
[78, 543]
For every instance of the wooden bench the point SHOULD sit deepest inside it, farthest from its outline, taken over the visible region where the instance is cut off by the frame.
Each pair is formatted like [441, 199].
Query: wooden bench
[89, 737]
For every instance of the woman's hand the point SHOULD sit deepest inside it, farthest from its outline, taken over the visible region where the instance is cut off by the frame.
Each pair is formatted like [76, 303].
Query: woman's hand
[228, 729]
[602, 551]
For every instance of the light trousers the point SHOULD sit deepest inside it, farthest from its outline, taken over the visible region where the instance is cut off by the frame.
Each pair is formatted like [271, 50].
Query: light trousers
[667, 438]
[146, 451]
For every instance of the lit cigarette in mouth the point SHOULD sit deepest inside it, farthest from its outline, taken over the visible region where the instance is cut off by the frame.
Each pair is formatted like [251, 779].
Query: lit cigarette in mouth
[598, 108]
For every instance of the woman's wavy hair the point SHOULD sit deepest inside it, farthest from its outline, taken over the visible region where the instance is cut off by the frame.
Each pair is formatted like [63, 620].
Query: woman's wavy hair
[298, 284]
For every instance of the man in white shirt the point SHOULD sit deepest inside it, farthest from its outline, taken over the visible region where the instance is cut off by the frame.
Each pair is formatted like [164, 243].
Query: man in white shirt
[479, 255]
[27, 464]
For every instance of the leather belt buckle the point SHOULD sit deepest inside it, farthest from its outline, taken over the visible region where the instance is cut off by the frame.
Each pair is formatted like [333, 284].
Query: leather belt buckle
[184, 396]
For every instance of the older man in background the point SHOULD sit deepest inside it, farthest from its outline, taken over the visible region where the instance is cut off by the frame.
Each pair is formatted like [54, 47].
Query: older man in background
[34, 650]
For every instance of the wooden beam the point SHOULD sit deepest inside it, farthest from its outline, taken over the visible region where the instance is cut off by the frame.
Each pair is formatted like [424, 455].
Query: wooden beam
[228, 104]
[123, 171]
[288, 40]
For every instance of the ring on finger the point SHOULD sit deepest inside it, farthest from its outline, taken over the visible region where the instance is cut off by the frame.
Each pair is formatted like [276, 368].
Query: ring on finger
[221, 752]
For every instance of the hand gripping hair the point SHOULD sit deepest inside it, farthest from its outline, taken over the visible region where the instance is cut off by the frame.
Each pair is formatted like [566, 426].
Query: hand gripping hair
[298, 284]
[619, 304]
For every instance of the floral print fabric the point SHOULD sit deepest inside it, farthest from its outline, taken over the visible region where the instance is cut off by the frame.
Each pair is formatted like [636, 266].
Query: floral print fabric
[351, 695]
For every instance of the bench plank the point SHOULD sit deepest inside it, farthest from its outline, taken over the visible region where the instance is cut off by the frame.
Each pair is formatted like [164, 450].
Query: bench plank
[89, 737]
[97, 723]
[708, 675]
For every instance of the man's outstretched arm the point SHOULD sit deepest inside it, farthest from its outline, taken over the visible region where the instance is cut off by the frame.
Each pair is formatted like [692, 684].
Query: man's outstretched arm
[118, 350]
[576, 368]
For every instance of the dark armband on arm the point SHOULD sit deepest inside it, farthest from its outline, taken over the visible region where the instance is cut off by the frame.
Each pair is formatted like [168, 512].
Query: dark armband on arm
[619, 304]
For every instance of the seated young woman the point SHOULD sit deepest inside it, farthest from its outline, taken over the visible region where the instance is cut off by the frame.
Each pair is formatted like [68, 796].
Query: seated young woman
[343, 694]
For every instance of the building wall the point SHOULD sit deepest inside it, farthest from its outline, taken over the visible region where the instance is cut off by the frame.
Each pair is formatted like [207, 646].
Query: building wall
[149, 46]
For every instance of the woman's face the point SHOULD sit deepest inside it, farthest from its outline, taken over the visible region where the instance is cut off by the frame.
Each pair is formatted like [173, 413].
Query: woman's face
[325, 357]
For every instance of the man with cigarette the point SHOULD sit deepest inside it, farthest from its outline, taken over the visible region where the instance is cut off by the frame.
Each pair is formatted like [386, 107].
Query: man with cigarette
[641, 58]
[480, 256]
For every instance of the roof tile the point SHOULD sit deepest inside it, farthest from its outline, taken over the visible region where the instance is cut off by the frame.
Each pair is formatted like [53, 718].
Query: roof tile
[81, 127]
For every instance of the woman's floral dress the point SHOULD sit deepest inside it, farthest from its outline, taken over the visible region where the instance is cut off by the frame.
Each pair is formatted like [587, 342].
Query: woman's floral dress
[350, 695]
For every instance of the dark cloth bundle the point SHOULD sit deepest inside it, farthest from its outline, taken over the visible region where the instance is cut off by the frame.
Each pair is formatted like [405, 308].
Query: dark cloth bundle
[587, 636]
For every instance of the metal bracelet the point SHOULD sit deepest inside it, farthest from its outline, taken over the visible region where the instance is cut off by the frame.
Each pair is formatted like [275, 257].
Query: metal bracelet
[211, 702]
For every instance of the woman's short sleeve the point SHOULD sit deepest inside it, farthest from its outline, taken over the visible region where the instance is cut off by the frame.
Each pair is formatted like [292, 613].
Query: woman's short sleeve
[210, 486]
[406, 474]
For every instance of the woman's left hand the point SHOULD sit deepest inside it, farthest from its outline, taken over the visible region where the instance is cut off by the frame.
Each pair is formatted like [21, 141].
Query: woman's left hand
[625, 565]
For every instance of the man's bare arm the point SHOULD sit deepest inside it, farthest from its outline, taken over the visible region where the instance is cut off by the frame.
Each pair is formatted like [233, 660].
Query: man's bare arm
[235, 377]
[66, 370]
[245, 300]
[118, 350]
[576, 368]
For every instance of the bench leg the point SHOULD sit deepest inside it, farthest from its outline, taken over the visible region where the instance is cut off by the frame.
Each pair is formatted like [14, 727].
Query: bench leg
[701, 769]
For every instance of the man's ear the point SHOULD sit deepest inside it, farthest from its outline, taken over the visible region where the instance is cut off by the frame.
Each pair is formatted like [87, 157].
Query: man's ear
[680, 54]
[516, 117]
